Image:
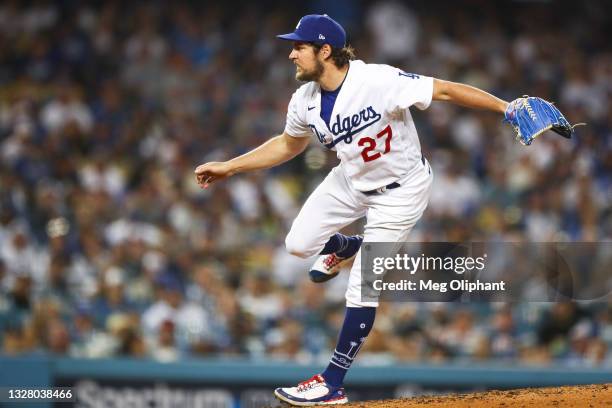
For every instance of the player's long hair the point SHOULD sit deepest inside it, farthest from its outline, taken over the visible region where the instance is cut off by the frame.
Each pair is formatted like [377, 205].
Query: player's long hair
[340, 56]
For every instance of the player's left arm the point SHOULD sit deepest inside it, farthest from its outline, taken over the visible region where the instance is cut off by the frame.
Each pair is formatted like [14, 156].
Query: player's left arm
[466, 95]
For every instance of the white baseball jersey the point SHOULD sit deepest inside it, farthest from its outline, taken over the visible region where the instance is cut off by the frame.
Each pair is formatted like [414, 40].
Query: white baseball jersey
[370, 127]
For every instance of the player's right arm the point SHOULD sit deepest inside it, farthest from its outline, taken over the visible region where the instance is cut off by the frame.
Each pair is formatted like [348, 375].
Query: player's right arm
[275, 151]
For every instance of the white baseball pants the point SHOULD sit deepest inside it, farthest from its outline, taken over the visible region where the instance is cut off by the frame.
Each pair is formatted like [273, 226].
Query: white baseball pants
[334, 204]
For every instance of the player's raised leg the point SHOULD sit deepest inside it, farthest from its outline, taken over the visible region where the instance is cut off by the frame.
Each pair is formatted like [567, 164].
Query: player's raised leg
[330, 207]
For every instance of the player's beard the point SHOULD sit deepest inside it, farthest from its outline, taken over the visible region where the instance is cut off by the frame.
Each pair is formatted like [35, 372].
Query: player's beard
[312, 75]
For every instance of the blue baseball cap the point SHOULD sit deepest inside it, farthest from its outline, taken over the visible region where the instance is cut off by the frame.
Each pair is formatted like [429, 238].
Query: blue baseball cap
[318, 29]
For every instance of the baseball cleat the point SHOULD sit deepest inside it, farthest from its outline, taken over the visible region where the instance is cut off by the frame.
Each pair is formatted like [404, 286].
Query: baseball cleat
[314, 391]
[327, 267]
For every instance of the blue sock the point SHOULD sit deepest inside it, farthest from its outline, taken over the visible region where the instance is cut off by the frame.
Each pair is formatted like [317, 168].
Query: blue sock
[358, 322]
[344, 246]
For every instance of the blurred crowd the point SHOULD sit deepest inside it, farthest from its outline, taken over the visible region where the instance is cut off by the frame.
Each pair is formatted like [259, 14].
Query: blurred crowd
[109, 248]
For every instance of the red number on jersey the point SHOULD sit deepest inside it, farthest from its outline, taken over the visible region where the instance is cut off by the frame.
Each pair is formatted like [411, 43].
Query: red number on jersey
[365, 153]
[386, 131]
[370, 144]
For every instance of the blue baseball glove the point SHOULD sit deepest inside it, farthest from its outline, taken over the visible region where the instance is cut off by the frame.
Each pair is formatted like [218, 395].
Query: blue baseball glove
[531, 116]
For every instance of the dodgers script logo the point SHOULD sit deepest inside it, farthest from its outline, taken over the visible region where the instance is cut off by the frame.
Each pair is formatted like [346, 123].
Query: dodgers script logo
[345, 128]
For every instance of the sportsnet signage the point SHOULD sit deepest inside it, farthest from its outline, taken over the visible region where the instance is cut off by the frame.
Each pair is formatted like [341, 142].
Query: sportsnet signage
[116, 393]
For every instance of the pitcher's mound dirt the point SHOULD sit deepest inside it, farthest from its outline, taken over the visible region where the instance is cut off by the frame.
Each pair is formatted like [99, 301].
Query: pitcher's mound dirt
[575, 396]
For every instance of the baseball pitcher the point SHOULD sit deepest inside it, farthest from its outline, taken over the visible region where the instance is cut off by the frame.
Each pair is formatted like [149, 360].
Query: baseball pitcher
[361, 111]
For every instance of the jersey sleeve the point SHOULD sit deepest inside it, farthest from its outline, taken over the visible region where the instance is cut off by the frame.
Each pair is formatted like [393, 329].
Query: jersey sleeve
[295, 124]
[411, 89]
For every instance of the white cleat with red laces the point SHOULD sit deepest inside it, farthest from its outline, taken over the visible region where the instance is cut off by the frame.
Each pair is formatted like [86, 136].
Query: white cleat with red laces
[327, 267]
[314, 391]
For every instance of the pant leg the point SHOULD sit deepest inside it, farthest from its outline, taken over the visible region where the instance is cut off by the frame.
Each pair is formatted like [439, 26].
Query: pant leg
[390, 218]
[330, 207]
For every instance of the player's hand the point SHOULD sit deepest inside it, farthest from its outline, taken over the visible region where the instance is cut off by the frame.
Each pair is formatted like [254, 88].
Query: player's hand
[210, 172]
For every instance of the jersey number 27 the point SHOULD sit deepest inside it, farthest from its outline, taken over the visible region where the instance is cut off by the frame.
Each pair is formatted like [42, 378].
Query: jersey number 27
[370, 145]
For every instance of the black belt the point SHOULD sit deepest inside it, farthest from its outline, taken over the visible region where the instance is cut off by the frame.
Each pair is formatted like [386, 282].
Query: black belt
[391, 186]
[381, 190]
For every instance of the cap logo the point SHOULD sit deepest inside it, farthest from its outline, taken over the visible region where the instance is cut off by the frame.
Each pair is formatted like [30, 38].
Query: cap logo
[299, 22]
[321, 37]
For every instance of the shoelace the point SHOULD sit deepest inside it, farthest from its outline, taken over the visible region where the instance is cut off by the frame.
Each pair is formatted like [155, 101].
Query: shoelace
[308, 384]
[331, 261]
